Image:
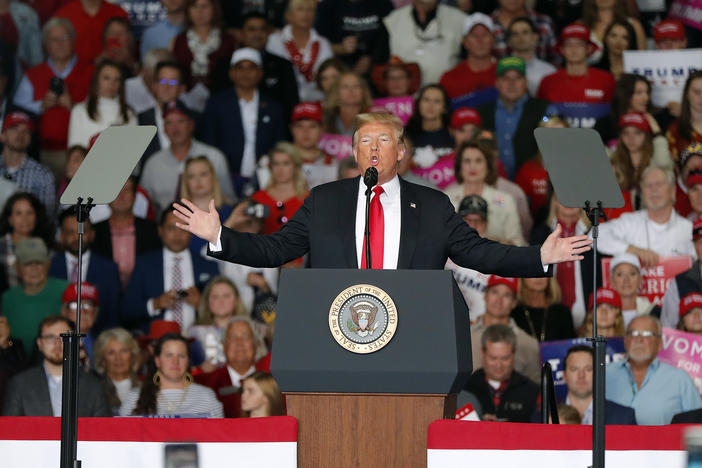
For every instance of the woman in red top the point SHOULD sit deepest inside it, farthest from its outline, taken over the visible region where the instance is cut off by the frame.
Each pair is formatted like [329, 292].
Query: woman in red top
[287, 188]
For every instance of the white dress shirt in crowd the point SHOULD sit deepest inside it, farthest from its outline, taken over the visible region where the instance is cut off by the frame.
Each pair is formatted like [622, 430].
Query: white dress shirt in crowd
[236, 377]
[390, 199]
[249, 120]
[187, 281]
[72, 262]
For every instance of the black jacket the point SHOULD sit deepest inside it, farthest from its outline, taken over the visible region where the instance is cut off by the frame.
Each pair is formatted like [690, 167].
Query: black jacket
[145, 233]
[518, 401]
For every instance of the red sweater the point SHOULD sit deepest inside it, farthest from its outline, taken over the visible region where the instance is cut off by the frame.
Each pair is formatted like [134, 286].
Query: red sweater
[596, 86]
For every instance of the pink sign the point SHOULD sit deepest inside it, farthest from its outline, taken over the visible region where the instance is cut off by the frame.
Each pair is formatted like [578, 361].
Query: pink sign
[687, 11]
[655, 278]
[684, 351]
[440, 173]
[338, 146]
[403, 107]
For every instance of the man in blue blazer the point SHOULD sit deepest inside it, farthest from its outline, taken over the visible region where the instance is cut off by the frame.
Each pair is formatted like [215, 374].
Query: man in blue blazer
[98, 270]
[243, 123]
[165, 283]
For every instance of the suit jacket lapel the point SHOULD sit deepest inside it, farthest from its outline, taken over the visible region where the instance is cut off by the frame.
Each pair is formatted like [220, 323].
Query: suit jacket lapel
[347, 224]
[42, 392]
[409, 211]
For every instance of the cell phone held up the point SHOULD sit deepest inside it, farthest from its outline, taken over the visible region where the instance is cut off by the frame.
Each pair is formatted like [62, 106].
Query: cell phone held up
[56, 85]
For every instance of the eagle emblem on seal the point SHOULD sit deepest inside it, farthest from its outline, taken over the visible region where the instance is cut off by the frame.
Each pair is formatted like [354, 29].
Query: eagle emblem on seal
[363, 318]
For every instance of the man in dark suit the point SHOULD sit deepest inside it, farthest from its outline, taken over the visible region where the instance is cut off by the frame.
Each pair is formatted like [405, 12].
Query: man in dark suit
[37, 391]
[164, 284]
[422, 227]
[98, 270]
[514, 115]
[243, 123]
[578, 375]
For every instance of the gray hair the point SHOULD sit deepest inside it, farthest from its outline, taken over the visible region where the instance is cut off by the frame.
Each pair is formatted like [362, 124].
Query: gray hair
[499, 334]
[256, 331]
[668, 174]
[120, 335]
[154, 56]
[54, 22]
[652, 318]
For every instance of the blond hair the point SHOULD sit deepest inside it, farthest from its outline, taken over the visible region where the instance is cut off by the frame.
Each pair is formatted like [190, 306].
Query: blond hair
[332, 101]
[216, 188]
[203, 311]
[121, 336]
[270, 389]
[381, 118]
[553, 291]
[299, 181]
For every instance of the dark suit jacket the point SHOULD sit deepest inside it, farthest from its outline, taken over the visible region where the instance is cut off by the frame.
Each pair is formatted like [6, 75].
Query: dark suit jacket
[145, 232]
[688, 417]
[523, 140]
[431, 232]
[104, 275]
[616, 414]
[279, 82]
[222, 126]
[148, 117]
[28, 395]
[147, 282]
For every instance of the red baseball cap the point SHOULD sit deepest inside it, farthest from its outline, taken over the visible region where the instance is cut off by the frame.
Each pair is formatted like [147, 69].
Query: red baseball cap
[576, 31]
[307, 110]
[465, 115]
[16, 118]
[697, 229]
[694, 178]
[635, 119]
[669, 29]
[606, 296]
[157, 329]
[87, 291]
[689, 302]
[494, 280]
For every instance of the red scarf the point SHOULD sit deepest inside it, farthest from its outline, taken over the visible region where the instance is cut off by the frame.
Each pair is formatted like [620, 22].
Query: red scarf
[307, 69]
[565, 272]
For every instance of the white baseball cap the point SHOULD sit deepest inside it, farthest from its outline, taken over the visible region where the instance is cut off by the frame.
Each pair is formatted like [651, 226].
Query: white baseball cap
[625, 257]
[246, 53]
[476, 19]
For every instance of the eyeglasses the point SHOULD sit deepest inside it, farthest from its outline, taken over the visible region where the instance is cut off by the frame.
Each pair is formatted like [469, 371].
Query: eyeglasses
[164, 81]
[642, 333]
[84, 305]
[50, 337]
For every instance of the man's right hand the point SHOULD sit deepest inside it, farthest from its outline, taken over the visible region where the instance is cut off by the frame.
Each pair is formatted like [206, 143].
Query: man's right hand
[647, 257]
[203, 224]
[166, 300]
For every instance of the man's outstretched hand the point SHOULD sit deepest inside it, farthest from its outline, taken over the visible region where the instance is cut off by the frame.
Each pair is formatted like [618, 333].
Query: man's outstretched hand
[556, 249]
[203, 224]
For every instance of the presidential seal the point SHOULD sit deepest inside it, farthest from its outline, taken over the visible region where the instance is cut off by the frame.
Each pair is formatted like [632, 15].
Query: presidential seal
[363, 318]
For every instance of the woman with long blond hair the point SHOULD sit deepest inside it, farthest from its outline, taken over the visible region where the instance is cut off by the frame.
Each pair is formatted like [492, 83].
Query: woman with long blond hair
[261, 396]
[286, 189]
[610, 321]
[348, 96]
[539, 311]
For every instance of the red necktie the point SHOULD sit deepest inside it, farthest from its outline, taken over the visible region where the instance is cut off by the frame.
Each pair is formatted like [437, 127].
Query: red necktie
[376, 225]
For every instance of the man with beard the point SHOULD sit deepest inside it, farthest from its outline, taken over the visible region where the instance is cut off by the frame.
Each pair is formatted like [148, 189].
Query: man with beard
[655, 390]
[37, 391]
[97, 270]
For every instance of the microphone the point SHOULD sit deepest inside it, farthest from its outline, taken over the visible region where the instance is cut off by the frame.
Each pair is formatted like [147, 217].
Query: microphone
[370, 178]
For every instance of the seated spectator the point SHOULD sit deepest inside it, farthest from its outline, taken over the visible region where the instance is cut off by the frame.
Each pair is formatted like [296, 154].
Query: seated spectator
[637, 150]
[598, 15]
[51, 88]
[477, 71]
[574, 278]
[475, 173]
[36, 297]
[105, 105]
[685, 283]
[694, 193]
[123, 236]
[687, 129]
[167, 86]
[425, 32]
[327, 73]
[691, 313]
[199, 185]
[118, 45]
[610, 322]
[160, 34]
[261, 396]
[578, 367]
[13, 360]
[689, 159]
[503, 393]
[75, 155]
[651, 232]
[626, 280]
[567, 415]
[618, 37]
[428, 128]
[23, 216]
[89, 18]
[513, 116]
[15, 164]
[98, 270]
[539, 311]
[203, 48]
[500, 298]
[348, 96]
[115, 360]
[577, 82]
[137, 89]
[38, 390]
[219, 303]
[279, 81]
[669, 34]
[286, 190]
[300, 43]
[21, 32]
[90, 310]
[306, 129]
[168, 388]
[396, 78]
[523, 39]
[507, 12]
[163, 170]
[240, 348]
[164, 283]
[655, 390]
[240, 121]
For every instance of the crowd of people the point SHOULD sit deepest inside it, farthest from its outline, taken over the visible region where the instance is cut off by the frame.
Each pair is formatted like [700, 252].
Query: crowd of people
[242, 94]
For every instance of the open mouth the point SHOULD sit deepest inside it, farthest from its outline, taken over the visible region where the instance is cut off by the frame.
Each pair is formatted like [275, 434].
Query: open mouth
[374, 160]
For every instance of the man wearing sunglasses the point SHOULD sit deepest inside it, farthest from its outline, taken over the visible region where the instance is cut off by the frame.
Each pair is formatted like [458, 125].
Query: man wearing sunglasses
[655, 390]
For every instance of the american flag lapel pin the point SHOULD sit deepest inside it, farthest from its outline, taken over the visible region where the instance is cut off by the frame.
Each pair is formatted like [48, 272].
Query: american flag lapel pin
[413, 205]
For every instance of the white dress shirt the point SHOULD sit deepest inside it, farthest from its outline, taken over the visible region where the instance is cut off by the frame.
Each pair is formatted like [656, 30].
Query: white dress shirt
[390, 199]
[249, 120]
[187, 281]
[72, 260]
[236, 377]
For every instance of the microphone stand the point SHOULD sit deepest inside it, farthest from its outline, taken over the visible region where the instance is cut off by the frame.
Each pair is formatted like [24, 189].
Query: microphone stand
[370, 178]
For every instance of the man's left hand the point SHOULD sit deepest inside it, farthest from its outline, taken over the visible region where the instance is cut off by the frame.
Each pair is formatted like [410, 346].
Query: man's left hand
[193, 296]
[556, 249]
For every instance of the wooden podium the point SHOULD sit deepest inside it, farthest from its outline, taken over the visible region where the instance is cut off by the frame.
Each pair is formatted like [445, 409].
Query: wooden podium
[368, 430]
[372, 409]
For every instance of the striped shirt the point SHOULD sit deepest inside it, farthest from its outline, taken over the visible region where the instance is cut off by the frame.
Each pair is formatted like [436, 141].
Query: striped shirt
[35, 178]
[194, 401]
